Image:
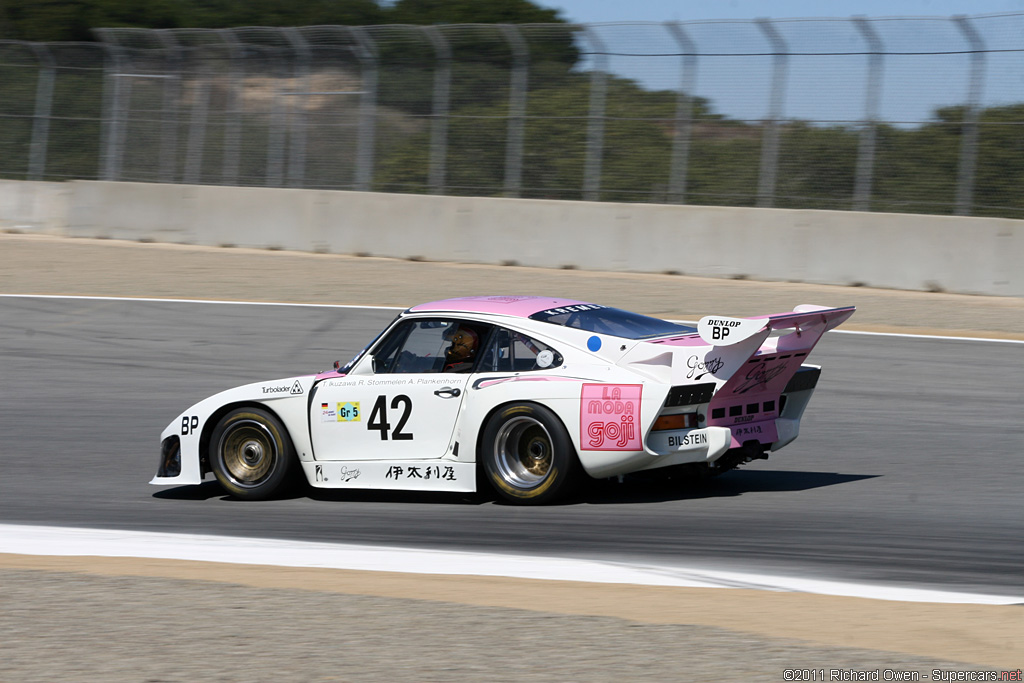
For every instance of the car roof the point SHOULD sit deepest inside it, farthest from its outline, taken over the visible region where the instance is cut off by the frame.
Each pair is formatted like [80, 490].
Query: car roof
[516, 306]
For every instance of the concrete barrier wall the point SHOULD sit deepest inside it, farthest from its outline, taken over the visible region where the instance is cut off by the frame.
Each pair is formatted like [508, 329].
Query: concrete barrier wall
[899, 251]
[34, 206]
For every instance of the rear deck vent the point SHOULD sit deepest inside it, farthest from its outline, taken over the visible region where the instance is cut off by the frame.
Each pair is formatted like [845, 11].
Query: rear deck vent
[805, 378]
[690, 394]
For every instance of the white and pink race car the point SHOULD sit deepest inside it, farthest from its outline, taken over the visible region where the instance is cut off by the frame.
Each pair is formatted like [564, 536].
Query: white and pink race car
[530, 392]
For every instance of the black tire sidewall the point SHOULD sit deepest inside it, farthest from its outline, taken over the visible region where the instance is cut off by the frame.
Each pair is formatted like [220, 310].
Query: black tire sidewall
[563, 455]
[280, 467]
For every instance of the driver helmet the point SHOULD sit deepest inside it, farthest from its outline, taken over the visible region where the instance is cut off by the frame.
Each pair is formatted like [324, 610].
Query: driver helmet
[464, 342]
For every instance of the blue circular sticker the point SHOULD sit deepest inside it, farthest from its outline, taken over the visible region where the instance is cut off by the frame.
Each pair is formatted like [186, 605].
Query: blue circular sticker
[594, 343]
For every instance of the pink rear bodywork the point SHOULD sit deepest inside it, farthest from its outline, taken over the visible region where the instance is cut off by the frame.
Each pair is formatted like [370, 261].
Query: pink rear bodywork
[751, 397]
[685, 340]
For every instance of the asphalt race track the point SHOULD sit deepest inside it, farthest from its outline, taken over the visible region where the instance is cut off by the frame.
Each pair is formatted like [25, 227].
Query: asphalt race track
[909, 468]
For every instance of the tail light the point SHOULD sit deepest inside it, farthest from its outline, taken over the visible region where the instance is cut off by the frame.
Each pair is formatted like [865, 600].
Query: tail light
[676, 421]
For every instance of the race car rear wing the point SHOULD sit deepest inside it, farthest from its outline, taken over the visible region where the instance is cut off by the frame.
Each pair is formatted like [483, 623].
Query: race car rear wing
[766, 351]
[806, 318]
[726, 350]
[765, 356]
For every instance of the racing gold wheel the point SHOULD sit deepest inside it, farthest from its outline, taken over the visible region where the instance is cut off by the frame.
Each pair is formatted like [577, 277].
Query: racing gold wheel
[250, 453]
[527, 454]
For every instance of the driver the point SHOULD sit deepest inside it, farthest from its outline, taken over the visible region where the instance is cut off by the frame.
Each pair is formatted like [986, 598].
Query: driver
[461, 355]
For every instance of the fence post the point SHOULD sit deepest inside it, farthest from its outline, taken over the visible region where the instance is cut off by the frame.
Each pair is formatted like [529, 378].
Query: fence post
[41, 118]
[276, 131]
[233, 124]
[439, 113]
[516, 110]
[595, 123]
[297, 118]
[770, 139]
[969, 140]
[117, 93]
[197, 130]
[172, 96]
[683, 129]
[866, 146]
[367, 54]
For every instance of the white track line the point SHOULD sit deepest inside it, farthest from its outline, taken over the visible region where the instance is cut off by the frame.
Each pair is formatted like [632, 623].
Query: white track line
[901, 334]
[194, 301]
[70, 542]
[930, 336]
[399, 308]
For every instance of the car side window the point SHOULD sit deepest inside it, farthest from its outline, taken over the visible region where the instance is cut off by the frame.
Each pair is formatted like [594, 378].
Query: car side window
[430, 346]
[385, 355]
[516, 352]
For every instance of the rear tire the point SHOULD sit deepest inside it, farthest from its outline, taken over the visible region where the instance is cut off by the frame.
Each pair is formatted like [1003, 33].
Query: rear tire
[527, 455]
[251, 454]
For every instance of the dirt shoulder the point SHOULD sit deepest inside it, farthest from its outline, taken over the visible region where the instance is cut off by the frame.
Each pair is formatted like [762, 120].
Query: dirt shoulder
[882, 633]
[40, 264]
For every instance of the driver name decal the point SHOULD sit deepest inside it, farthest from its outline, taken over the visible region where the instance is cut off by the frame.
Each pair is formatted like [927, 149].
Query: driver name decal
[610, 417]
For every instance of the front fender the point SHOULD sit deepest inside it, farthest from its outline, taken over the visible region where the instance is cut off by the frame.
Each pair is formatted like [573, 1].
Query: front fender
[288, 398]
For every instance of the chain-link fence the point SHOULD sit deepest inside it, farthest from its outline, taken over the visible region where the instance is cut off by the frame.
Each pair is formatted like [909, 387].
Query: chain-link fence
[896, 114]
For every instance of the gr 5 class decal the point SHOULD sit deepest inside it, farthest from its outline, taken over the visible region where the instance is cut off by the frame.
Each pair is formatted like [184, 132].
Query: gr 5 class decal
[610, 417]
[340, 411]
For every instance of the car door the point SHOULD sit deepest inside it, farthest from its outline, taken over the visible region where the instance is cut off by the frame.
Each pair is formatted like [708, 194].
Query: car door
[401, 402]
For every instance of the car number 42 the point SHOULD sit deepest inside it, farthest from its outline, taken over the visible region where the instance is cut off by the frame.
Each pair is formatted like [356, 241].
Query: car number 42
[379, 418]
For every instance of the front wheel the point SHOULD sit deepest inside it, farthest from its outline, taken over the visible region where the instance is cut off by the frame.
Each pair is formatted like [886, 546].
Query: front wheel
[250, 453]
[527, 454]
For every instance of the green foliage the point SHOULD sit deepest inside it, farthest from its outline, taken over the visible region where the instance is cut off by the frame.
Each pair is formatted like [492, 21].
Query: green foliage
[470, 12]
[1000, 170]
[67, 20]
[817, 167]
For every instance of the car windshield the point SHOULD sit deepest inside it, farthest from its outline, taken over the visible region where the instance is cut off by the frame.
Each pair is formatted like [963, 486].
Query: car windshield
[613, 321]
[347, 367]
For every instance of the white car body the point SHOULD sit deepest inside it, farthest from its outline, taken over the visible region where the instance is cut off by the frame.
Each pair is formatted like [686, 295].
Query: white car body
[730, 391]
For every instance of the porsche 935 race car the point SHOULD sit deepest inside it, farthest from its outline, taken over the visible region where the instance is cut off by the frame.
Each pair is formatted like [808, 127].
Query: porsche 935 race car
[530, 392]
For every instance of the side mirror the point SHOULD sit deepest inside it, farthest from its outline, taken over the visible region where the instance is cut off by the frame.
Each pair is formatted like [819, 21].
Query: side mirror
[373, 364]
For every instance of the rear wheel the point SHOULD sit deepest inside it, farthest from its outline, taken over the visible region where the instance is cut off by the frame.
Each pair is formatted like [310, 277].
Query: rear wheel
[527, 454]
[251, 454]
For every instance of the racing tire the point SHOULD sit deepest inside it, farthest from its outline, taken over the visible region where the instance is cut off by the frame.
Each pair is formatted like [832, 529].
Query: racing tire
[527, 455]
[251, 454]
